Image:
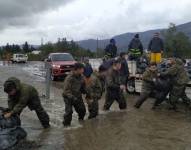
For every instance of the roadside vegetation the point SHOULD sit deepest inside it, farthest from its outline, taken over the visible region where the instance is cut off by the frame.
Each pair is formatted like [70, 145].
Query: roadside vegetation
[176, 44]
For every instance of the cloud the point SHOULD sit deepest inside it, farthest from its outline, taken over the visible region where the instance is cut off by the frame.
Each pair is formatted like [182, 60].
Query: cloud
[83, 19]
[24, 12]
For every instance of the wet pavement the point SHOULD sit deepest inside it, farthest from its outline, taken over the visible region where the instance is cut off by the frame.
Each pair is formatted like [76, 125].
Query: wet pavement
[132, 129]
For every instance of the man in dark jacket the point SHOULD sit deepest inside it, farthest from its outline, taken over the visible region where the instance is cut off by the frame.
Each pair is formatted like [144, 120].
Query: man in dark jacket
[156, 48]
[111, 50]
[114, 89]
[21, 95]
[88, 70]
[72, 94]
[135, 48]
[124, 71]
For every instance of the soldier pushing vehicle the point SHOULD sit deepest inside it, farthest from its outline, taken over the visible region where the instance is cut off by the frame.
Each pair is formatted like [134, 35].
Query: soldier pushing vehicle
[114, 88]
[72, 94]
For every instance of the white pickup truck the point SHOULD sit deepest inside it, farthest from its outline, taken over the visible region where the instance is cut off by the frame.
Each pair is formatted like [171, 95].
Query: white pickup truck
[19, 58]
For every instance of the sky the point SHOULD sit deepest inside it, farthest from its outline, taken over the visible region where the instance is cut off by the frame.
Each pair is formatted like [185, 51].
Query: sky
[31, 20]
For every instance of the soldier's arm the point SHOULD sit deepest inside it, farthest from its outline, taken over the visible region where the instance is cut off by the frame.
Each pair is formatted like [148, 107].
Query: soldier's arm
[22, 103]
[10, 103]
[68, 89]
[83, 87]
[172, 71]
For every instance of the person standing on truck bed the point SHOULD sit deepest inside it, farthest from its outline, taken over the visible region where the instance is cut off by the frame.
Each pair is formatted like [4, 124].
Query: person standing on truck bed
[72, 94]
[156, 47]
[135, 48]
[111, 50]
[21, 95]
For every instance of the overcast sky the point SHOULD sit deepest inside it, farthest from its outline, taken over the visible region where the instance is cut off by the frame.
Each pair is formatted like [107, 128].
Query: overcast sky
[29, 20]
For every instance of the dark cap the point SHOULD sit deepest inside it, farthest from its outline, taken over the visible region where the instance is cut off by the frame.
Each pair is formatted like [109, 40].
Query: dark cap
[152, 64]
[117, 61]
[78, 66]
[9, 86]
[136, 35]
[102, 68]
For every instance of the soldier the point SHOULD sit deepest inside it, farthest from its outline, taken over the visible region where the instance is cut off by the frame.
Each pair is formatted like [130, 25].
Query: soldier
[148, 86]
[94, 89]
[114, 89]
[179, 78]
[21, 95]
[186, 100]
[72, 94]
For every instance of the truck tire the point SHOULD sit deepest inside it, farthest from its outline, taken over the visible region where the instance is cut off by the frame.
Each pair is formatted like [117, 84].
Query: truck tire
[131, 86]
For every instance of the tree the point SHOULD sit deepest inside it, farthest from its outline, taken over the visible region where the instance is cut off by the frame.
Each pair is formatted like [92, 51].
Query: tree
[176, 43]
[26, 48]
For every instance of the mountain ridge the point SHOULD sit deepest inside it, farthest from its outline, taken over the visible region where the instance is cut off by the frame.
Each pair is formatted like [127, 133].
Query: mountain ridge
[124, 39]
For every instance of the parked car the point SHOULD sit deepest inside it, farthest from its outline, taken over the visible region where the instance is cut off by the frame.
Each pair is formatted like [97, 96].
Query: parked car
[19, 58]
[61, 64]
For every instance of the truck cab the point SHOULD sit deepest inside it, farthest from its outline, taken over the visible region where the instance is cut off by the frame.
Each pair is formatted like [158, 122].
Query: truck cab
[19, 58]
[60, 64]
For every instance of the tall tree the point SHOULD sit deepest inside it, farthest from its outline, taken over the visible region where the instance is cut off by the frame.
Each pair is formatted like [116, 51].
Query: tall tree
[176, 43]
[26, 48]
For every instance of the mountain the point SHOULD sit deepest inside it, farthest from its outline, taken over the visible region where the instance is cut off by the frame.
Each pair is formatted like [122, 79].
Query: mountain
[123, 40]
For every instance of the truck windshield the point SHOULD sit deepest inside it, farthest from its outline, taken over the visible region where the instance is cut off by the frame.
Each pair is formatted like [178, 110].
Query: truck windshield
[62, 57]
[20, 55]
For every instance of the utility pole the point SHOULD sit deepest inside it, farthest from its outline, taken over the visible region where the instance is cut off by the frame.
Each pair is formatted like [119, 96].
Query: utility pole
[97, 48]
[42, 41]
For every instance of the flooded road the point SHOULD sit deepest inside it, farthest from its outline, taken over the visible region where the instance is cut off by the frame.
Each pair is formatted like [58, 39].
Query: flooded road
[132, 129]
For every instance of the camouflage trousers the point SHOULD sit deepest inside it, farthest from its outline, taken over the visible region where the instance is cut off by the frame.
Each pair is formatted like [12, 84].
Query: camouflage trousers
[35, 105]
[111, 96]
[185, 98]
[79, 107]
[175, 94]
[93, 108]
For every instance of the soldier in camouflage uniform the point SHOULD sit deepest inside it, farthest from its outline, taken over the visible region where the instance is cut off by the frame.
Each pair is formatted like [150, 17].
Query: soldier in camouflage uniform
[94, 88]
[179, 78]
[114, 89]
[72, 94]
[148, 86]
[21, 95]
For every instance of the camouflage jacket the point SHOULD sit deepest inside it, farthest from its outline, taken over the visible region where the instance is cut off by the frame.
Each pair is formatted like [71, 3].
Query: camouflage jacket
[25, 94]
[148, 80]
[73, 87]
[113, 80]
[93, 87]
[178, 73]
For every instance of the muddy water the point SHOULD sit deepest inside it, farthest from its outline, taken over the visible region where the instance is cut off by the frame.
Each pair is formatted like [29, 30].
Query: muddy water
[132, 129]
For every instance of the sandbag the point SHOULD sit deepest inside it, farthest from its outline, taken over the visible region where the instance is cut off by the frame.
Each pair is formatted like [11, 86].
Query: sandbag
[10, 131]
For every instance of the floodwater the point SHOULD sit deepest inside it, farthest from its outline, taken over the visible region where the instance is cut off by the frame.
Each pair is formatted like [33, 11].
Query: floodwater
[132, 129]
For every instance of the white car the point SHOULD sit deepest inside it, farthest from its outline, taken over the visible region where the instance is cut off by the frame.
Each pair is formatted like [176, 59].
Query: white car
[19, 58]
